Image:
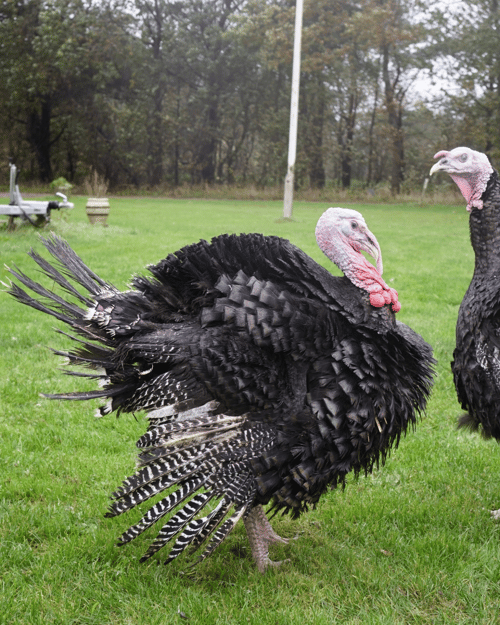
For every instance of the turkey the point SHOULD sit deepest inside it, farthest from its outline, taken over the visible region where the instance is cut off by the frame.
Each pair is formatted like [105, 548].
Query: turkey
[265, 379]
[476, 358]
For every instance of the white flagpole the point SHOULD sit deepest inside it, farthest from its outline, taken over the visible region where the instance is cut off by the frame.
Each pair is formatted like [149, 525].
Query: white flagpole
[294, 109]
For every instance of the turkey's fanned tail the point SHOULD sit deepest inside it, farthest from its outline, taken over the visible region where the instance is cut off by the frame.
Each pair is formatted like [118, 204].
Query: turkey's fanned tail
[101, 318]
[205, 459]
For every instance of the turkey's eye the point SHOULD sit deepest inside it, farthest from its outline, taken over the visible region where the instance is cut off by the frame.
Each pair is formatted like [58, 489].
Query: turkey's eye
[354, 225]
[463, 158]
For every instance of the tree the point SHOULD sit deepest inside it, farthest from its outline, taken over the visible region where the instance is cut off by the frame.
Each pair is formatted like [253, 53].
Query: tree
[41, 71]
[471, 50]
[169, 91]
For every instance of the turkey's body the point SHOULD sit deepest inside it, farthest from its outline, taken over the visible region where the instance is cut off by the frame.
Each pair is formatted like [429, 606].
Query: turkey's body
[476, 359]
[265, 379]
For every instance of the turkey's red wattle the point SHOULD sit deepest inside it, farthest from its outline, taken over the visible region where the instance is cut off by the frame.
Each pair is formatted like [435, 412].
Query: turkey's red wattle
[472, 188]
[368, 278]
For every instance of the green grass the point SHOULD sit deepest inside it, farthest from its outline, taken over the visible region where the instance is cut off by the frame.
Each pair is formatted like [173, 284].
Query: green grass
[411, 544]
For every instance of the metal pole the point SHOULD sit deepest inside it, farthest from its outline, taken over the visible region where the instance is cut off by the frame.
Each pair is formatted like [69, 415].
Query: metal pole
[294, 108]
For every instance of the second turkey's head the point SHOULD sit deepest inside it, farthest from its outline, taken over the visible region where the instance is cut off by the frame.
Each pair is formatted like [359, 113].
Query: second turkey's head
[469, 169]
[342, 234]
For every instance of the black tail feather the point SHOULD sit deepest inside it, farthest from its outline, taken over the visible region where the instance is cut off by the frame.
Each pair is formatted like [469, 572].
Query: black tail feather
[73, 266]
[468, 422]
[56, 306]
[51, 272]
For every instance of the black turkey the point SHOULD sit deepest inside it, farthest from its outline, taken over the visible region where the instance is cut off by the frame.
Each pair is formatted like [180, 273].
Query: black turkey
[476, 359]
[265, 379]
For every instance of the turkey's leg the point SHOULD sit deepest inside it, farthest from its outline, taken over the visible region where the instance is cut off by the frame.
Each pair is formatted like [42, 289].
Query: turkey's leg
[261, 535]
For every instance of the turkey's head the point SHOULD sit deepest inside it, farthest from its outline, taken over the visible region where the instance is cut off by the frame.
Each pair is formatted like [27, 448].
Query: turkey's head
[342, 234]
[469, 169]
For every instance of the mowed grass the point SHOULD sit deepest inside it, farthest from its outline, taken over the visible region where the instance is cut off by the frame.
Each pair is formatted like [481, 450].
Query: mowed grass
[411, 544]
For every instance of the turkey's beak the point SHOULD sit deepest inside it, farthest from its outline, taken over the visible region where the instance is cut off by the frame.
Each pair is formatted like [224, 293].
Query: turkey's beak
[441, 165]
[370, 245]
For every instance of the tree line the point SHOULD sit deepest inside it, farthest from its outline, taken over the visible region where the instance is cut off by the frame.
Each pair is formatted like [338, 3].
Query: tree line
[173, 92]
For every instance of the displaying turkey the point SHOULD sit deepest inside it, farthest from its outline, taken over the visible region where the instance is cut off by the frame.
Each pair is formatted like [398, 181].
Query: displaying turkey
[265, 379]
[476, 359]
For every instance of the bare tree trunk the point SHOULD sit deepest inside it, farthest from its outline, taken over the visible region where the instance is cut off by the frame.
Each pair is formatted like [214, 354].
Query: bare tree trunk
[206, 159]
[370, 137]
[155, 148]
[346, 158]
[316, 165]
[154, 22]
[394, 108]
[38, 135]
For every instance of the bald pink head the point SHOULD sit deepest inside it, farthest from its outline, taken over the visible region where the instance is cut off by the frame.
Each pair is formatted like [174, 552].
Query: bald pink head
[470, 170]
[342, 234]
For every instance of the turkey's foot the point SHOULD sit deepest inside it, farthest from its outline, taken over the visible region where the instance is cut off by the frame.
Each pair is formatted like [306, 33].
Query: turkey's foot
[260, 536]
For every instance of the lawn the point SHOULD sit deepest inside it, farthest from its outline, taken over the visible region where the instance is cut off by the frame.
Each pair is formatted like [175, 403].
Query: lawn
[411, 544]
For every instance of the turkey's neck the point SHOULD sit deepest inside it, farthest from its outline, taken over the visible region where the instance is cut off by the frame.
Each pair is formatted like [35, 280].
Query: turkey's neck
[353, 264]
[485, 231]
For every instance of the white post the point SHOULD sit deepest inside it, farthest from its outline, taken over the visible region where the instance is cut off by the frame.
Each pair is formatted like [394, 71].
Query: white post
[294, 109]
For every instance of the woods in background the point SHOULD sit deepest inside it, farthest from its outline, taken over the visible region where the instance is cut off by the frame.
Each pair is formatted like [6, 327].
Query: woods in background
[159, 92]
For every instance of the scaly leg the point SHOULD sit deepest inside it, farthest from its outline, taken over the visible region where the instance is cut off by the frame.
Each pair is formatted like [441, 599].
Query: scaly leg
[267, 530]
[261, 535]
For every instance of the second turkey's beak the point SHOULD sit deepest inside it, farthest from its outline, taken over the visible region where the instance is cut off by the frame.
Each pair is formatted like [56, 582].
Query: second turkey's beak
[442, 164]
[370, 245]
